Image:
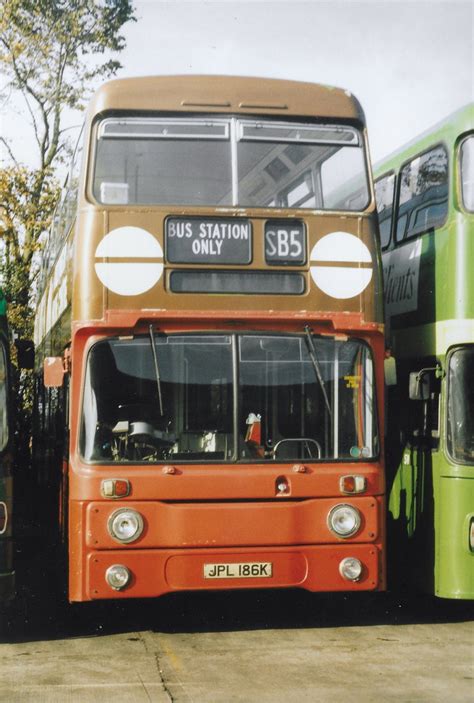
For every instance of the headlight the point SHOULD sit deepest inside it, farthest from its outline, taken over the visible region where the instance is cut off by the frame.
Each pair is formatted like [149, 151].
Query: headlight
[350, 568]
[344, 520]
[117, 576]
[125, 525]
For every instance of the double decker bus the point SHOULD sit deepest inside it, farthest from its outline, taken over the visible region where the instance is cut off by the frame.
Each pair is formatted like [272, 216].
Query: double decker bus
[425, 198]
[210, 343]
[7, 576]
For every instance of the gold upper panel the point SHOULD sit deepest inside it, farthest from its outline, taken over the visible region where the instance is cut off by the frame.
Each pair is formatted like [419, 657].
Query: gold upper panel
[227, 94]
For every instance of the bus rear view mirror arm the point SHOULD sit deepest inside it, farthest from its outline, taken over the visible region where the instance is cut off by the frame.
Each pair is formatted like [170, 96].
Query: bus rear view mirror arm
[421, 383]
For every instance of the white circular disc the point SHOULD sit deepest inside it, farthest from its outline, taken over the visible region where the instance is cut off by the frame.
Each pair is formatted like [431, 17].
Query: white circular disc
[129, 278]
[340, 282]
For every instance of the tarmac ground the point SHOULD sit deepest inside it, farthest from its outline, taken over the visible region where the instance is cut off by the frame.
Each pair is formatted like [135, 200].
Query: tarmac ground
[245, 646]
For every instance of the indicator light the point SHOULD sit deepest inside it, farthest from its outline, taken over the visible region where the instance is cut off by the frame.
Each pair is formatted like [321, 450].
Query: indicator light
[352, 484]
[115, 488]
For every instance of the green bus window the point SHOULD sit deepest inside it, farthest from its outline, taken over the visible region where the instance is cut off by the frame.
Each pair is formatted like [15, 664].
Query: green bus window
[384, 192]
[423, 197]
[467, 173]
[461, 406]
[3, 399]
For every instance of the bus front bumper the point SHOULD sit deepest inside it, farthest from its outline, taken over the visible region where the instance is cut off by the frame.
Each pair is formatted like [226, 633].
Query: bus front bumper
[154, 572]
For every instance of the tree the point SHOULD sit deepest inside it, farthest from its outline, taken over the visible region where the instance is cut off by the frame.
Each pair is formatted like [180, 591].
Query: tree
[52, 53]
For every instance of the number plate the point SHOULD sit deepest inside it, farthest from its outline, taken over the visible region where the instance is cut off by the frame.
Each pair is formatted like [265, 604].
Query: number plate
[243, 570]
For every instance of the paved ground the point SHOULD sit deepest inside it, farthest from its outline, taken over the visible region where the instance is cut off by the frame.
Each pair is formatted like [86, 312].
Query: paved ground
[254, 646]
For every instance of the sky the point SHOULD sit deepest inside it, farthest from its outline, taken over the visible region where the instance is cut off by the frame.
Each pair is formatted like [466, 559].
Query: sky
[409, 63]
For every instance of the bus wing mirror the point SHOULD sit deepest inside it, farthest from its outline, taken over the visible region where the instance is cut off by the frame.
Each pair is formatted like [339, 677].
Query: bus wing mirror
[53, 371]
[390, 371]
[419, 385]
[25, 350]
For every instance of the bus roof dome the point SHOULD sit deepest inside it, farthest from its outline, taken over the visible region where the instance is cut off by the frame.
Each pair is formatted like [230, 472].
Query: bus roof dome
[236, 94]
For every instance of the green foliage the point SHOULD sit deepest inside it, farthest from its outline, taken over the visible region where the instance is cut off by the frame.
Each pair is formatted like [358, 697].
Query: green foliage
[28, 198]
[47, 49]
[53, 52]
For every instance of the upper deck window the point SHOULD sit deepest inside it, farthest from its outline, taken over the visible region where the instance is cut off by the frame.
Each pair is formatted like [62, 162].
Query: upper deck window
[467, 172]
[423, 196]
[229, 161]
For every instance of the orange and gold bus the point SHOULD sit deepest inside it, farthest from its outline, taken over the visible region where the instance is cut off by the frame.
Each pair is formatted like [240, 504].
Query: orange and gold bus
[210, 343]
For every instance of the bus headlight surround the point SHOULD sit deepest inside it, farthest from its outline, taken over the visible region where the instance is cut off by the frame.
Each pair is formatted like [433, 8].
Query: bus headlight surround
[118, 576]
[125, 525]
[344, 520]
[350, 568]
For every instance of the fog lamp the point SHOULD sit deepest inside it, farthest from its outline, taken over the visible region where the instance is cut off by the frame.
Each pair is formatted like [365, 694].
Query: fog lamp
[118, 576]
[125, 525]
[344, 520]
[350, 569]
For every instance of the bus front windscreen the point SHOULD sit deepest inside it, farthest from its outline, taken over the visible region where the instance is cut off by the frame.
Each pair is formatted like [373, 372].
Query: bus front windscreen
[228, 398]
[229, 162]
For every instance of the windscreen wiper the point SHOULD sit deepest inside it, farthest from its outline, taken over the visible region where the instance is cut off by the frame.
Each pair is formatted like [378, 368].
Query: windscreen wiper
[157, 369]
[315, 362]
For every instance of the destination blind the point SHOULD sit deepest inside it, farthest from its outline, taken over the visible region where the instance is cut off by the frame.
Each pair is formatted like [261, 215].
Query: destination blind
[208, 241]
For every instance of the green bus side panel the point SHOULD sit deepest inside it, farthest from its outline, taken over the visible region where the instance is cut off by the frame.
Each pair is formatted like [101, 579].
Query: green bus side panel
[454, 575]
[429, 297]
[429, 520]
[410, 523]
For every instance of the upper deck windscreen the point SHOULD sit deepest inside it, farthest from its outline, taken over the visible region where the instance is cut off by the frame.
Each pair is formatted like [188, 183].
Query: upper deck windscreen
[229, 162]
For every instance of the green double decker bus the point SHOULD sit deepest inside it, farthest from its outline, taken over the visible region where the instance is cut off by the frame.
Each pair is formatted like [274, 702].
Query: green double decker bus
[6, 481]
[425, 201]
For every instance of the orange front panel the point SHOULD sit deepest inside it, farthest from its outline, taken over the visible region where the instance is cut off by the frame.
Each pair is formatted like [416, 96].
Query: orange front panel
[192, 525]
[156, 572]
[223, 482]
[198, 514]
